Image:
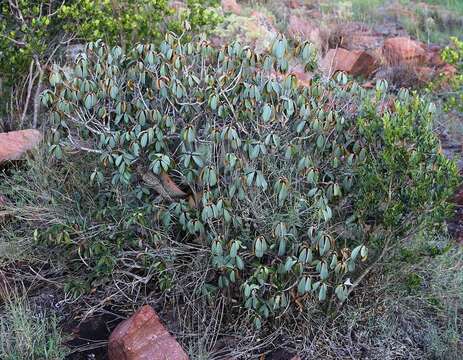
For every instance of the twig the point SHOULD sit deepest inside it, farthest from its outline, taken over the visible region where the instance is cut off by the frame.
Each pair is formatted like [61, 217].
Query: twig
[29, 91]
[371, 266]
[37, 93]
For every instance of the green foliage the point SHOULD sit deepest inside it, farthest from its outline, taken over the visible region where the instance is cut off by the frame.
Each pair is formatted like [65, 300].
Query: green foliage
[25, 32]
[413, 282]
[131, 22]
[409, 172]
[88, 229]
[292, 184]
[453, 54]
[33, 31]
[29, 336]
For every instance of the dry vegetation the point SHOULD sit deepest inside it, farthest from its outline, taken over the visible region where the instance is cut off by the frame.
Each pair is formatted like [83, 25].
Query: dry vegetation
[80, 249]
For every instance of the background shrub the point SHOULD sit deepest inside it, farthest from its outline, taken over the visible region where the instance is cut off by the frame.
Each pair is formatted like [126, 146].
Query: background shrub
[453, 54]
[34, 33]
[130, 22]
[286, 186]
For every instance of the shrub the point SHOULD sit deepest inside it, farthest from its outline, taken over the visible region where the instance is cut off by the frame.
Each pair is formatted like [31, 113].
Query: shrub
[131, 22]
[453, 54]
[286, 186]
[33, 31]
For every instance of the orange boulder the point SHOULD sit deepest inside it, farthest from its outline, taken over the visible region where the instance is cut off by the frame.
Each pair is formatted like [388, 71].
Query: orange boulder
[400, 50]
[14, 144]
[144, 337]
[353, 62]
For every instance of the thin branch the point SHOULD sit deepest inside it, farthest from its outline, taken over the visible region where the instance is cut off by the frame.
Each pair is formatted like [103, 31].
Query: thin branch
[16, 42]
[29, 91]
[37, 94]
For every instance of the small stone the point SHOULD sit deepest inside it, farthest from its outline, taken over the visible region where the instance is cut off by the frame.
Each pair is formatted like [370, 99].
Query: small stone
[231, 6]
[144, 337]
[294, 4]
[304, 78]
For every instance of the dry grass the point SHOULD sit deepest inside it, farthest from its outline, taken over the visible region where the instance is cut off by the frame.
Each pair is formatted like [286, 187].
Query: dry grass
[26, 334]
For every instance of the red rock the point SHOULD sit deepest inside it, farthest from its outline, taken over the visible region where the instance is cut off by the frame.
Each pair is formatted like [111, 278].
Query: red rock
[424, 74]
[305, 30]
[294, 4]
[433, 57]
[356, 36]
[231, 6]
[303, 77]
[448, 70]
[143, 337]
[355, 62]
[14, 144]
[401, 50]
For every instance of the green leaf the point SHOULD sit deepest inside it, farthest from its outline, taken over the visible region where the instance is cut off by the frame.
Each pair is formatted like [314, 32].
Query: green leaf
[90, 101]
[322, 293]
[279, 49]
[301, 286]
[239, 263]
[266, 112]
[260, 247]
[234, 249]
[341, 293]
[214, 101]
[355, 252]
[320, 141]
[144, 140]
[282, 247]
[324, 271]
[114, 92]
[247, 290]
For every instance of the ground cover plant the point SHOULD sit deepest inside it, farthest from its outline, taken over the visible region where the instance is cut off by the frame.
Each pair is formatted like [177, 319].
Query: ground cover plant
[278, 233]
